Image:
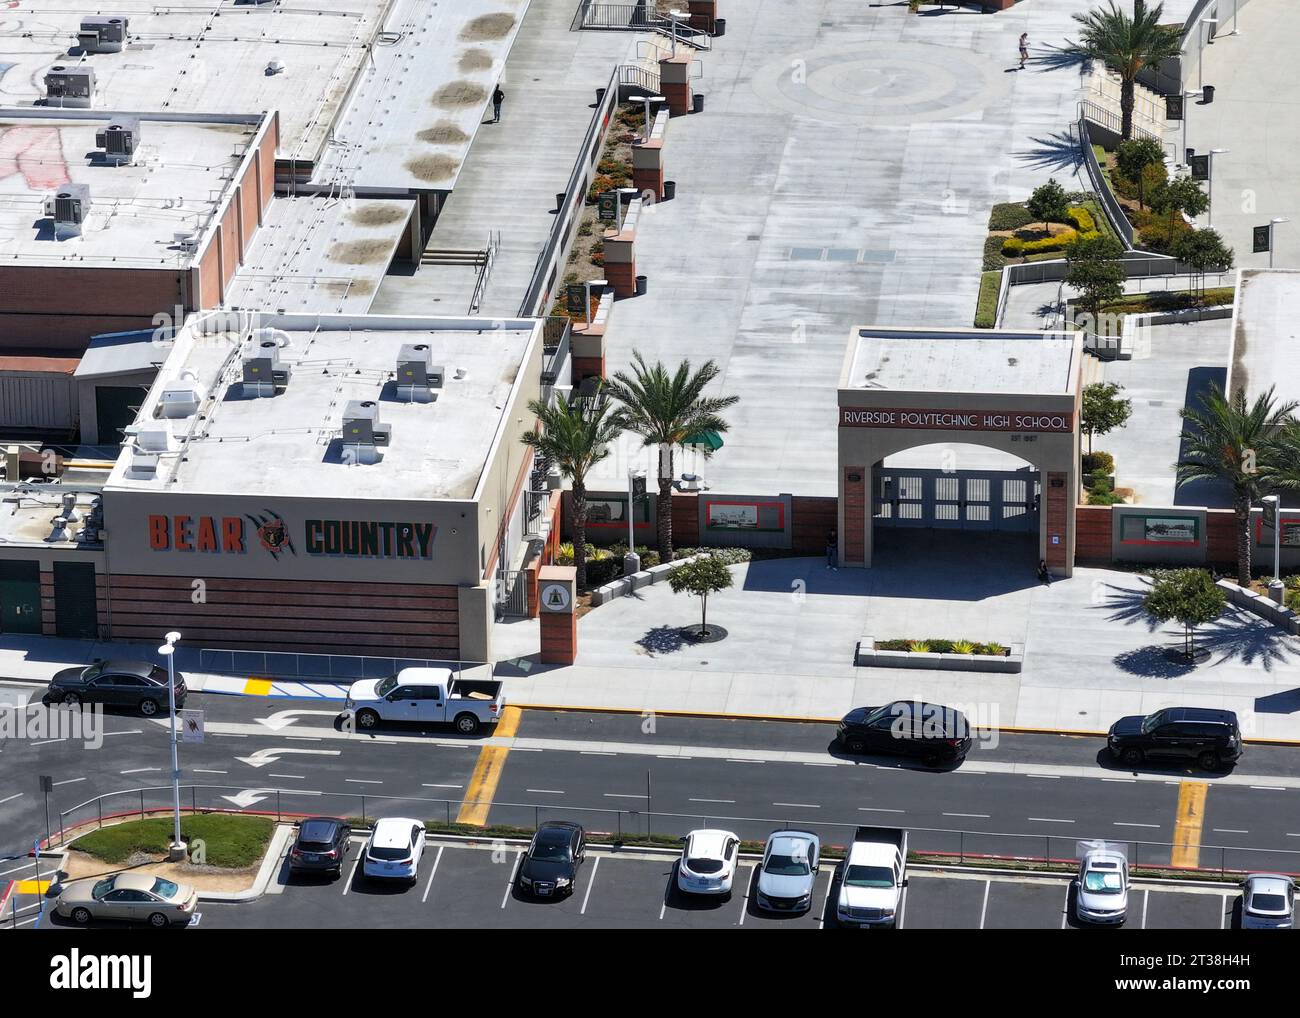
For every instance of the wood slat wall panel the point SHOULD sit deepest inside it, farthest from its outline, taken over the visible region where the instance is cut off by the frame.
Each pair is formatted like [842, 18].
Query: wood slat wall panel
[300, 642]
[287, 586]
[169, 598]
[324, 611]
[328, 628]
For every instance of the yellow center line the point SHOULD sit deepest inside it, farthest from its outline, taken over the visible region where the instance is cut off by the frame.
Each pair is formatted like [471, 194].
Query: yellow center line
[1187, 827]
[487, 772]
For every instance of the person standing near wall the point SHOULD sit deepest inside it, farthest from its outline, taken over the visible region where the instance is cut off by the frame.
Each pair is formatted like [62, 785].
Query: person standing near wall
[832, 551]
[498, 97]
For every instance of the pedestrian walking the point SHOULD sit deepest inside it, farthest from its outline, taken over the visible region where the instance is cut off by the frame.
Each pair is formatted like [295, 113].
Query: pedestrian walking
[832, 551]
[498, 97]
[1024, 49]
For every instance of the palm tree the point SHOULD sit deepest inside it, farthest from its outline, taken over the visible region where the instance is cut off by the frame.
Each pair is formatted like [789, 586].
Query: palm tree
[1282, 472]
[576, 435]
[1126, 45]
[666, 410]
[1229, 441]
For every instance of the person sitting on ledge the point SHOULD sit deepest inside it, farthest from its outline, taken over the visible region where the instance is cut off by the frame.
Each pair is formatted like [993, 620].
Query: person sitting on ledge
[1043, 575]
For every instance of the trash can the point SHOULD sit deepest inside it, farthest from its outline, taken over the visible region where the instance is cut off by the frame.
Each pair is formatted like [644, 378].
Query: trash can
[1207, 95]
[559, 200]
[719, 27]
[600, 95]
[670, 190]
[641, 283]
[697, 103]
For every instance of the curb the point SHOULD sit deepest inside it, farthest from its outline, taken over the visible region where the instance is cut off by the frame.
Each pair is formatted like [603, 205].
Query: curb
[271, 863]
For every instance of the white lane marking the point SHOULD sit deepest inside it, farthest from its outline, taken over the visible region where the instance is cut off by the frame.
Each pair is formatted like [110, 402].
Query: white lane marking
[668, 887]
[737, 760]
[301, 738]
[129, 731]
[810, 763]
[544, 791]
[1223, 914]
[352, 873]
[226, 735]
[977, 816]
[68, 781]
[877, 809]
[201, 770]
[725, 801]
[1146, 896]
[1065, 910]
[48, 742]
[1268, 788]
[744, 901]
[593, 752]
[984, 908]
[362, 781]
[902, 910]
[1121, 781]
[145, 770]
[1050, 777]
[590, 883]
[1229, 830]
[436, 859]
[1120, 823]
[298, 777]
[797, 805]
[451, 786]
[514, 870]
[625, 795]
[1048, 820]
[12, 798]
[826, 899]
[663, 756]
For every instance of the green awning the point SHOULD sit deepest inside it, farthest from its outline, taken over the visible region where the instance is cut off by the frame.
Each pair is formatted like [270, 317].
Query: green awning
[709, 441]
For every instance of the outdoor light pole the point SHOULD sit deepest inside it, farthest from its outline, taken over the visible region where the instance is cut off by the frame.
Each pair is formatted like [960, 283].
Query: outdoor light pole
[1186, 104]
[168, 650]
[1209, 208]
[1276, 587]
[1272, 233]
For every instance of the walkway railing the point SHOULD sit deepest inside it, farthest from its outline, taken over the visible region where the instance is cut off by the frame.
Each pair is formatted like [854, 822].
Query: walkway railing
[485, 270]
[623, 824]
[1115, 213]
[639, 16]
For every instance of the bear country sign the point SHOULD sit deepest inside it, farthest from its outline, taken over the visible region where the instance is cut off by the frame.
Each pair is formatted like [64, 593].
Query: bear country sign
[267, 530]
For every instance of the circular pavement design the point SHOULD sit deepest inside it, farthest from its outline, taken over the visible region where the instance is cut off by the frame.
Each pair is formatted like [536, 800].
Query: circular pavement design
[889, 83]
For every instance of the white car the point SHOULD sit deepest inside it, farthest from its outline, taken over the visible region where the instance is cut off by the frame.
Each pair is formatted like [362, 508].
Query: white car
[1102, 887]
[1267, 902]
[394, 849]
[708, 862]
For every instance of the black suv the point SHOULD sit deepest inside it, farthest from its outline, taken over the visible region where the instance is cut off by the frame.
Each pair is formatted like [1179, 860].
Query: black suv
[930, 731]
[550, 865]
[1210, 737]
[137, 685]
[321, 844]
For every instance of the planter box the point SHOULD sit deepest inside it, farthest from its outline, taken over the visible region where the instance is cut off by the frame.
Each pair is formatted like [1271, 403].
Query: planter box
[867, 656]
[1265, 607]
[626, 584]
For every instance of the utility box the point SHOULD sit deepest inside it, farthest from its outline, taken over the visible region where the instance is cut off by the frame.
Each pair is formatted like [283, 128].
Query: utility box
[70, 86]
[101, 33]
[119, 140]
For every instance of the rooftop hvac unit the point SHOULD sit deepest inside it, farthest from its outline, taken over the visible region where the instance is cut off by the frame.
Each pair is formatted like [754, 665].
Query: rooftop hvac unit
[155, 437]
[70, 86]
[263, 368]
[103, 34]
[68, 207]
[181, 398]
[69, 507]
[144, 465]
[119, 140]
[361, 424]
[416, 374]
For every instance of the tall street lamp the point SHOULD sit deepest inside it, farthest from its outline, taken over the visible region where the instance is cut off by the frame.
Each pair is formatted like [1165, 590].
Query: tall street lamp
[176, 850]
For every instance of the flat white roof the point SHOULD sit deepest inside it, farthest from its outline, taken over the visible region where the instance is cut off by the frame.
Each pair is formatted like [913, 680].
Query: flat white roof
[1266, 340]
[320, 253]
[962, 360]
[290, 444]
[205, 56]
[174, 186]
[28, 511]
[420, 98]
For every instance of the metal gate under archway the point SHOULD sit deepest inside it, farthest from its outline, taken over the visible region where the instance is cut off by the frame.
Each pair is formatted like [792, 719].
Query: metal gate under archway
[1005, 500]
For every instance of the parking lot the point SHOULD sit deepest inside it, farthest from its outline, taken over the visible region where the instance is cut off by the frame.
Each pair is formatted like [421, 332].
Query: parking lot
[462, 885]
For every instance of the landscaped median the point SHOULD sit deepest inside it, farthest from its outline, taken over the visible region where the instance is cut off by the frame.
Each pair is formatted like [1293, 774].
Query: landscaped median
[941, 654]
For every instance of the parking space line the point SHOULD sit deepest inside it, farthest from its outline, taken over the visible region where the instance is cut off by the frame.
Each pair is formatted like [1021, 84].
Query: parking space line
[744, 901]
[352, 874]
[590, 883]
[1223, 914]
[487, 772]
[626, 795]
[143, 770]
[1065, 909]
[200, 770]
[68, 781]
[513, 871]
[826, 900]
[12, 798]
[1146, 896]
[436, 859]
[984, 909]
[1186, 853]
[1268, 788]
[902, 909]
[295, 777]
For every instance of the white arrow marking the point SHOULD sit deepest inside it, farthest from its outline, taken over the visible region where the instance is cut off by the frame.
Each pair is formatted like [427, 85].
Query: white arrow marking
[269, 756]
[285, 718]
[252, 796]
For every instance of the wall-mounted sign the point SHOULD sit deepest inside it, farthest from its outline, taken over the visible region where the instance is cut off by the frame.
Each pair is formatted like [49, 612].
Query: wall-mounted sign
[234, 535]
[607, 207]
[1263, 236]
[764, 516]
[1159, 530]
[1200, 167]
[555, 597]
[612, 512]
[1290, 533]
[958, 420]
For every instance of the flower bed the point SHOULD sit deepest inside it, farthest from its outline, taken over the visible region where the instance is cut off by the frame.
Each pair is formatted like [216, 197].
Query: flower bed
[960, 657]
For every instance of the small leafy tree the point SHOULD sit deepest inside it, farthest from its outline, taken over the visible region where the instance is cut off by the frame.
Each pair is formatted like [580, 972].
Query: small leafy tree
[1049, 203]
[1203, 251]
[1179, 194]
[701, 576]
[1096, 273]
[1104, 409]
[1187, 596]
[1134, 158]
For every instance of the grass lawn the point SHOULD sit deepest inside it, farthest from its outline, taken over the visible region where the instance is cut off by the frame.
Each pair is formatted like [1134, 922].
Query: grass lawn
[229, 841]
[1167, 300]
[986, 308]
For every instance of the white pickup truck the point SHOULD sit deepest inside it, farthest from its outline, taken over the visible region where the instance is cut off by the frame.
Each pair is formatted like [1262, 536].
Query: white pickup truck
[873, 877]
[428, 695]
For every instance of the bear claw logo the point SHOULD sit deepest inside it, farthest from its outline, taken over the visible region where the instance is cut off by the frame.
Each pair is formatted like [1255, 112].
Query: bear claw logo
[273, 533]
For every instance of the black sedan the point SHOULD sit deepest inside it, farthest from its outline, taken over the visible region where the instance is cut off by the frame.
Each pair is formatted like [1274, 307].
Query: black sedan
[136, 685]
[550, 865]
[934, 733]
[321, 844]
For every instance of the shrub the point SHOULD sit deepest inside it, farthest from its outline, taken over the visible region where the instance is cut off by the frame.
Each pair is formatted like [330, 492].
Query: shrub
[993, 649]
[919, 647]
[963, 647]
[1292, 600]
[1009, 216]
[565, 555]
[1015, 247]
[1098, 461]
[599, 186]
[986, 306]
[1082, 219]
[583, 231]
[603, 570]
[1102, 492]
[598, 258]
[993, 257]
[1292, 582]
[939, 646]
[729, 556]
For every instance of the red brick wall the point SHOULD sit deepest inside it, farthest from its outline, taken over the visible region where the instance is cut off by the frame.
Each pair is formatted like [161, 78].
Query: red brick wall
[1093, 528]
[855, 514]
[559, 638]
[812, 519]
[1058, 519]
[686, 520]
[1221, 537]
